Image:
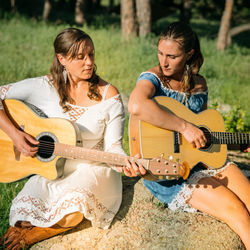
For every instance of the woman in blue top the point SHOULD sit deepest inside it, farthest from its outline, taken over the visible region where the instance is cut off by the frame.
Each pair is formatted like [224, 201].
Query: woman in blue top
[176, 76]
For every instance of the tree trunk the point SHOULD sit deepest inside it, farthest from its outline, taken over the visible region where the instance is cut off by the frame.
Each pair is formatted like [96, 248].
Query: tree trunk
[46, 9]
[128, 22]
[13, 5]
[186, 14]
[143, 11]
[236, 30]
[79, 11]
[225, 25]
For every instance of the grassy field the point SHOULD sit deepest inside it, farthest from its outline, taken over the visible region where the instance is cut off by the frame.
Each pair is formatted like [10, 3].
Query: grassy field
[26, 51]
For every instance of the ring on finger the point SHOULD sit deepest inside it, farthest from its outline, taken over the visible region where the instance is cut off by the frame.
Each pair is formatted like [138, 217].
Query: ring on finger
[137, 173]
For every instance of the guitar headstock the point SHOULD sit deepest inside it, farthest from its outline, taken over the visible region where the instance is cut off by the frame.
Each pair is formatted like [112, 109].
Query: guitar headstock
[166, 169]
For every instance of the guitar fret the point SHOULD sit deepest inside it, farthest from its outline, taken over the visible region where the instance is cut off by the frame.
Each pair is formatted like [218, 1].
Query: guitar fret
[74, 152]
[230, 138]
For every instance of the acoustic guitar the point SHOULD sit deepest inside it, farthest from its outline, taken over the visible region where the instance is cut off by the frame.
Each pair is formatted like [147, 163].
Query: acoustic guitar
[60, 139]
[151, 141]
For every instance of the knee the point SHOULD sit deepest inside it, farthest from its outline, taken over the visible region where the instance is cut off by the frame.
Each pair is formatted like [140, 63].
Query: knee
[235, 212]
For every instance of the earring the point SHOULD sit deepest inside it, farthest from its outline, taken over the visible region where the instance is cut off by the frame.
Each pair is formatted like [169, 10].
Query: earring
[186, 77]
[65, 75]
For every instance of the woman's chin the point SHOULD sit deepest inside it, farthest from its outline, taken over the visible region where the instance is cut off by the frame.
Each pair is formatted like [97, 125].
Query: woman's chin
[167, 73]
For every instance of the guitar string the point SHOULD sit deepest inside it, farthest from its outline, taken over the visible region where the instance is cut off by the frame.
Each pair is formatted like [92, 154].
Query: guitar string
[219, 134]
[117, 158]
[241, 136]
[47, 145]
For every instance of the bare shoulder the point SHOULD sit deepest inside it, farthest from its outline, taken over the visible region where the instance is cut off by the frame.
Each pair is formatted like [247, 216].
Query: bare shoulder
[154, 70]
[200, 83]
[112, 91]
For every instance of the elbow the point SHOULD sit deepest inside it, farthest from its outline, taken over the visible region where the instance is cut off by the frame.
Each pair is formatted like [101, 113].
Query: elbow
[134, 108]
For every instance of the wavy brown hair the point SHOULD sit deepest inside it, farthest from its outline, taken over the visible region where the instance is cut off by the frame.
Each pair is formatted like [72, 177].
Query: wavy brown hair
[67, 43]
[187, 40]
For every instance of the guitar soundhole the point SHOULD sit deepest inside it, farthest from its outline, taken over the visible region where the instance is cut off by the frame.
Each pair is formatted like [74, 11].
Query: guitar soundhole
[46, 146]
[208, 137]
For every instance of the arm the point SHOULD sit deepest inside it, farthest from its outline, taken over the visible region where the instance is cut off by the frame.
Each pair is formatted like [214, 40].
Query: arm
[23, 142]
[144, 108]
[114, 134]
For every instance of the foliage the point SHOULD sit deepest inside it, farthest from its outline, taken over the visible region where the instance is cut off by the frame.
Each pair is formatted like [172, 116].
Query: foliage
[234, 117]
[235, 120]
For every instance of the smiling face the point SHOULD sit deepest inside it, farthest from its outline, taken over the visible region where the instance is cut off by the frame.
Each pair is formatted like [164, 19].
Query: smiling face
[81, 65]
[172, 58]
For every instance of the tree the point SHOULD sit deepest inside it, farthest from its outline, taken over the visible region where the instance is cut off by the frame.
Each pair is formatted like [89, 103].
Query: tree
[13, 5]
[237, 30]
[128, 21]
[143, 11]
[135, 18]
[46, 9]
[225, 25]
[79, 11]
[186, 14]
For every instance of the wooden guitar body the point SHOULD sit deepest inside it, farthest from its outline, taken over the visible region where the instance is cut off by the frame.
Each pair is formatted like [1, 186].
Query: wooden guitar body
[60, 139]
[151, 141]
[15, 166]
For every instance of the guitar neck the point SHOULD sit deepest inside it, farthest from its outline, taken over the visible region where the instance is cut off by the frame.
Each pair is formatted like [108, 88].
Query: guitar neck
[230, 138]
[74, 152]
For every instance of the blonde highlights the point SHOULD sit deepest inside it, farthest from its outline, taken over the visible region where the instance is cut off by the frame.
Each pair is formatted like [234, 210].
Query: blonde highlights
[187, 40]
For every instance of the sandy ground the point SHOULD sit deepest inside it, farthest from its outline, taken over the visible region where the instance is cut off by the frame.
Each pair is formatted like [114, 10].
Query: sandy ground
[144, 224]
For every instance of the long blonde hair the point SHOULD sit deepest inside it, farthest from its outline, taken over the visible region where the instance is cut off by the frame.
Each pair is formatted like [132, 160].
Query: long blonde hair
[67, 43]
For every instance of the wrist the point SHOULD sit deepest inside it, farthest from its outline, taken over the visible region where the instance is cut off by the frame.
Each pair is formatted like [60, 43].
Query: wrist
[183, 126]
[13, 133]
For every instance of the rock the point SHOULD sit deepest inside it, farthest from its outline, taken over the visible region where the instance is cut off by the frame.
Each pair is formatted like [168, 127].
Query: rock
[144, 223]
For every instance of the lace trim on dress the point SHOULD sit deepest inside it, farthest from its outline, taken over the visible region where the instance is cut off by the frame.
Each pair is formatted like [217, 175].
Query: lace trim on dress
[3, 92]
[99, 145]
[75, 112]
[180, 200]
[40, 213]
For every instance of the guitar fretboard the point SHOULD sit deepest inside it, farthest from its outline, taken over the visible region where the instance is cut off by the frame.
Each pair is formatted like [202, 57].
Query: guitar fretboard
[230, 138]
[74, 152]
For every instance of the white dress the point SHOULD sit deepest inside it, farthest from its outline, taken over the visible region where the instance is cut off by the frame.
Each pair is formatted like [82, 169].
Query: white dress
[91, 188]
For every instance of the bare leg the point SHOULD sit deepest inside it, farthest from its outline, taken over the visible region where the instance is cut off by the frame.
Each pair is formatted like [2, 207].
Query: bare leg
[215, 199]
[236, 181]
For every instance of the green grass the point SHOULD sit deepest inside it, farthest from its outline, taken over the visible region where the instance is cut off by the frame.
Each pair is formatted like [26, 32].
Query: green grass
[26, 51]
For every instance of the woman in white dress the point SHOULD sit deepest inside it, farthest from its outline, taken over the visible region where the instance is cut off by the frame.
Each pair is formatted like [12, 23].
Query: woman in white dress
[90, 190]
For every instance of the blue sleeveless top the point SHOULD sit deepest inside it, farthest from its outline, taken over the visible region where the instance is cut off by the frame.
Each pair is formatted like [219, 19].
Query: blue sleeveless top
[166, 190]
